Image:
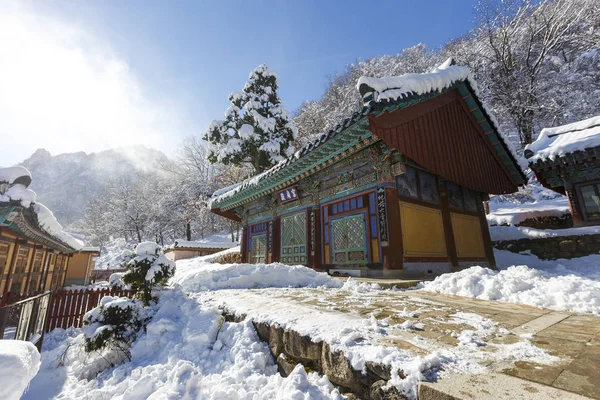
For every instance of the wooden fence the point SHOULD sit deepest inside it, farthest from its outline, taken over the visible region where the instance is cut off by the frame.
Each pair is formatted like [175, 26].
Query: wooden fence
[67, 307]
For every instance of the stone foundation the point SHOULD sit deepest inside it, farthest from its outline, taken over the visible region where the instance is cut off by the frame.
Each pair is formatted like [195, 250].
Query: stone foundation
[289, 349]
[552, 248]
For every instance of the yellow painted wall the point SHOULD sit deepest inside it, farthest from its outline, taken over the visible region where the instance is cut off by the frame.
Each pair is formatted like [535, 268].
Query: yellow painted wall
[422, 231]
[78, 265]
[467, 236]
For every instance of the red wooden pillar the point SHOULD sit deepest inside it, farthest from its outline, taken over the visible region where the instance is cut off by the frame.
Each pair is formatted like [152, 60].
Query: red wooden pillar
[575, 208]
[244, 244]
[487, 240]
[393, 252]
[315, 242]
[447, 221]
[11, 267]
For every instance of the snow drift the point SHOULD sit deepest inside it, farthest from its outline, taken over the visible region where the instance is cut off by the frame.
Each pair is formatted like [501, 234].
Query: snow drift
[197, 275]
[19, 363]
[186, 352]
[524, 285]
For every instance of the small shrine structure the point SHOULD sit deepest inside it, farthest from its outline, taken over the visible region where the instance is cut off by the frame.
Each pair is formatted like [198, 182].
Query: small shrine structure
[566, 159]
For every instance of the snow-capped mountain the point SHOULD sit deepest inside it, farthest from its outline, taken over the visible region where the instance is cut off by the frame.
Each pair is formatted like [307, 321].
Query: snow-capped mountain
[66, 182]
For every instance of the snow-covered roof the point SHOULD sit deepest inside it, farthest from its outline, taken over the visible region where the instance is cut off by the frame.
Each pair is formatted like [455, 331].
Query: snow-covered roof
[16, 174]
[13, 190]
[376, 91]
[394, 88]
[559, 141]
[90, 249]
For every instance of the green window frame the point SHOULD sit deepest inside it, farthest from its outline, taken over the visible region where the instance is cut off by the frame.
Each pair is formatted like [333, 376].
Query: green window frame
[258, 254]
[293, 239]
[349, 240]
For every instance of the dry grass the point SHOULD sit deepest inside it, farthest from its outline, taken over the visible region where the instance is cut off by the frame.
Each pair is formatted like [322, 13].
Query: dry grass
[231, 258]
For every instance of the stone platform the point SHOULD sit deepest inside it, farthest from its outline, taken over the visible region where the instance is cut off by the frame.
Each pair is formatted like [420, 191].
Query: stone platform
[571, 340]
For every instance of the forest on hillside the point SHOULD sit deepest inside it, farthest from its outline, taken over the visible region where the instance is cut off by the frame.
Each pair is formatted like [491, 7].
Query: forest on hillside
[537, 64]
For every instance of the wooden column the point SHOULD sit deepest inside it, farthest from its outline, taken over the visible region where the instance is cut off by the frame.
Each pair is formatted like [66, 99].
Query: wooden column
[574, 206]
[487, 240]
[244, 244]
[394, 251]
[315, 242]
[46, 268]
[447, 220]
[31, 264]
[276, 240]
[11, 267]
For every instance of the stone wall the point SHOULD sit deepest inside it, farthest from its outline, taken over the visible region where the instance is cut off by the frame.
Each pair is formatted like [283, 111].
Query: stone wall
[552, 248]
[289, 349]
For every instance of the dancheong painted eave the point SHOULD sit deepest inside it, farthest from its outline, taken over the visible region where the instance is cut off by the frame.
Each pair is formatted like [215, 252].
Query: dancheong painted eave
[383, 96]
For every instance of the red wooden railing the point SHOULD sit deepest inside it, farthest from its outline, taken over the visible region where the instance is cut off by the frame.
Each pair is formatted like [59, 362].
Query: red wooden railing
[67, 307]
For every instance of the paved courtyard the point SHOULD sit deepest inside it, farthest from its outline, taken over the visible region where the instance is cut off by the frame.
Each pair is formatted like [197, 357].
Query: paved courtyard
[442, 321]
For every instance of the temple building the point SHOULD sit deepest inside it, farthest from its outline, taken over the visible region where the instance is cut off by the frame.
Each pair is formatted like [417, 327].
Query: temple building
[396, 189]
[34, 250]
[81, 265]
[566, 159]
[184, 249]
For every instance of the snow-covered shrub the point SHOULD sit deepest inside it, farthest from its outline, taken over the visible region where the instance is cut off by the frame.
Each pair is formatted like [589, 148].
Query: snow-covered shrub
[148, 267]
[115, 281]
[114, 324]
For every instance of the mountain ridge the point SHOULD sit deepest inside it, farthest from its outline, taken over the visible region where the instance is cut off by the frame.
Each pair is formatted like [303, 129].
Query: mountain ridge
[66, 182]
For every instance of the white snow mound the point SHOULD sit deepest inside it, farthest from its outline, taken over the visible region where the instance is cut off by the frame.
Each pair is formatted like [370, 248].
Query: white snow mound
[19, 363]
[524, 285]
[197, 275]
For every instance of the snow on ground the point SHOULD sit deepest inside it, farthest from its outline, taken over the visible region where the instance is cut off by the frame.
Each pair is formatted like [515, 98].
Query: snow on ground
[505, 215]
[361, 337]
[216, 240]
[187, 352]
[19, 362]
[498, 233]
[347, 319]
[92, 286]
[197, 274]
[572, 285]
[110, 255]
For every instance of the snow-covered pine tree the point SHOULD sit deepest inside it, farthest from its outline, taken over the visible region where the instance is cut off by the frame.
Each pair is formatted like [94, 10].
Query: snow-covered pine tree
[257, 130]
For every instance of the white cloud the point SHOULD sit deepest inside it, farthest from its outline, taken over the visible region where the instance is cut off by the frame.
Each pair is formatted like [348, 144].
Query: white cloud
[65, 91]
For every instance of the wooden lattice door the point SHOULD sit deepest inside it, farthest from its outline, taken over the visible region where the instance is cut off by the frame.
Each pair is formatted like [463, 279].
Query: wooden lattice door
[293, 239]
[349, 240]
[258, 253]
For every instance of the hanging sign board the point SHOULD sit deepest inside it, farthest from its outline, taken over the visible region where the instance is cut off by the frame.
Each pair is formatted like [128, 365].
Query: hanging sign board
[382, 215]
[288, 194]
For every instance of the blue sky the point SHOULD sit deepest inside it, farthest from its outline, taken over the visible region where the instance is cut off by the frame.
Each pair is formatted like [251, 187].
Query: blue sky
[182, 59]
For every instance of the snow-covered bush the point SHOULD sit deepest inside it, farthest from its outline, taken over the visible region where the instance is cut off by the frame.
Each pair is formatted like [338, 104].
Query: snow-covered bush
[115, 281]
[114, 324]
[148, 267]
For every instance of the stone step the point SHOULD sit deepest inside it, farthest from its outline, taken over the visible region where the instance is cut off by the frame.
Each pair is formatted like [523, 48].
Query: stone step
[492, 386]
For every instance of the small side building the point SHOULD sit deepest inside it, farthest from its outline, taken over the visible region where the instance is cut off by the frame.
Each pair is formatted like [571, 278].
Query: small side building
[396, 189]
[34, 250]
[183, 249]
[566, 159]
[81, 266]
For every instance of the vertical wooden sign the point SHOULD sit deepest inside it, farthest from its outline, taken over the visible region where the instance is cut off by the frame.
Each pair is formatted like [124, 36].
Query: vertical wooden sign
[382, 216]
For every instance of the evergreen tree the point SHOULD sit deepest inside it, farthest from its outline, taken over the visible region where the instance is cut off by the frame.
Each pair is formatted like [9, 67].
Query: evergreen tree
[257, 130]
